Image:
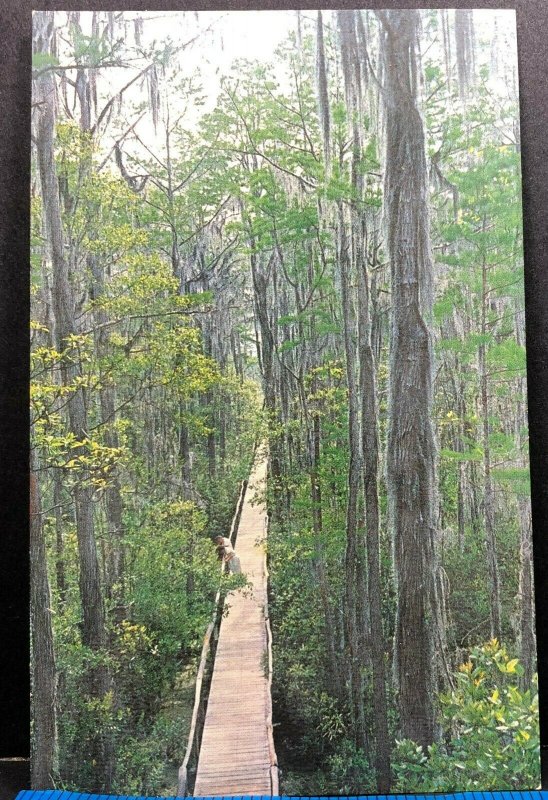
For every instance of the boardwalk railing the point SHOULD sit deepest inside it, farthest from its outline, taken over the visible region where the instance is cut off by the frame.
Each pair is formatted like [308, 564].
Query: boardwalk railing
[182, 785]
[274, 776]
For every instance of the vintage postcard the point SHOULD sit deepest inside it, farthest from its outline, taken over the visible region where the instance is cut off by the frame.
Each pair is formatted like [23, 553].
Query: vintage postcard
[280, 505]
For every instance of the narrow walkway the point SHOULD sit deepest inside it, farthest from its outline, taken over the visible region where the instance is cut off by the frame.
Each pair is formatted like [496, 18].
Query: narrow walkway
[236, 753]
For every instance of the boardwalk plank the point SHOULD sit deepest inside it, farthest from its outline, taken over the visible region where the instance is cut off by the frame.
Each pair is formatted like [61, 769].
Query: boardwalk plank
[234, 755]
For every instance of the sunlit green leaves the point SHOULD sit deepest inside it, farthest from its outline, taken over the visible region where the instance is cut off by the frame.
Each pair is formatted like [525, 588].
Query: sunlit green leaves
[491, 727]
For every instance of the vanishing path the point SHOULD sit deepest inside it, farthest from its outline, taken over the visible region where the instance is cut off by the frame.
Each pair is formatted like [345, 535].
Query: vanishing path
[237, 753]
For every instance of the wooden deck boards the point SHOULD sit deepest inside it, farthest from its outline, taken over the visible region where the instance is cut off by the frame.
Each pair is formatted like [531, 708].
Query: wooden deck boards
[234, 755]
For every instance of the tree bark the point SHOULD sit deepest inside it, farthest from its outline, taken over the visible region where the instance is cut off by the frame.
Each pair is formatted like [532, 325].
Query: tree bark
[355, 574]
[63, 308]
[107, 401]
[410, 446]
[368, 406]
[370, 457]
[355, 582]
[59, 539]
[93, 628]
[446, 47]
[526, 635]
[464, 41]
[317, 523]
[488, 490]
[323, 94]
[184, 455]
[266, 348]
[526, 589]
[44, 742]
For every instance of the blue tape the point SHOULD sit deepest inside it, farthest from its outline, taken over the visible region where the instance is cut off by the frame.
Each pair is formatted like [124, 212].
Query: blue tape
[63, 795]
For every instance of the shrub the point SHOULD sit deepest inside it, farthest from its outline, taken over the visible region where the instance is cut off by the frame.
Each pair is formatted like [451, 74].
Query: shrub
[490, 736]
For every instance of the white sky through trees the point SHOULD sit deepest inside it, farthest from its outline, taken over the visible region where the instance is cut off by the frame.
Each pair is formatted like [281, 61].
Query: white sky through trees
[214, 40]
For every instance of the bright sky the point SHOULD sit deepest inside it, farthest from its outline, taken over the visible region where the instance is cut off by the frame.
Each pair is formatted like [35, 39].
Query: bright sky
[228, 35]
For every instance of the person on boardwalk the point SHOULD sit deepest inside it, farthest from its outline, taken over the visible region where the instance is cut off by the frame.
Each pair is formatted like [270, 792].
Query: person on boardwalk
[226, 552]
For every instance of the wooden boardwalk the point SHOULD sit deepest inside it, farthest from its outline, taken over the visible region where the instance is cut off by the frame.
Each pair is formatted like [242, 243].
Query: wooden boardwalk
[237, 753]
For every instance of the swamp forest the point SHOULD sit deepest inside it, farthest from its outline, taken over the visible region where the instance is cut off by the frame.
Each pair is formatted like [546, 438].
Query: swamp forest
[297, 230]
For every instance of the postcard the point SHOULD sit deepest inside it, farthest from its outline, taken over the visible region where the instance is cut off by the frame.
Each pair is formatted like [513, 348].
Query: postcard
[280, 503]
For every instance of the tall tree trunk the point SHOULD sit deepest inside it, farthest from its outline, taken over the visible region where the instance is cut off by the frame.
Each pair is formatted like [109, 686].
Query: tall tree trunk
[212, 444]
[488, 490]
[107, 401]
[236, 348]
[63, 308]
[464, 41]
[410, 446]
[209, 398]
[370, 456]
[93, 628]
[44, 742]
[266, 348]
[446, 30]
[526, 608]
[59, 538]
[323, 94]
[317, 524]
[224, 412]
[179, 273]
[347, 21]
[184, 455]
[461, 479]
[355, 575]
[526, 598]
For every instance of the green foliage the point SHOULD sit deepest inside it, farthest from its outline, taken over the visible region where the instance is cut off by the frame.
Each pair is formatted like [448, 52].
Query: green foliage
[43, 60]
[345, 772]
[141, 762]
[167, 551]
[490, 735]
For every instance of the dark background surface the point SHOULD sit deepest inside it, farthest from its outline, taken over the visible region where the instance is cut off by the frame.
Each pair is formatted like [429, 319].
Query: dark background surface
[15, 99]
